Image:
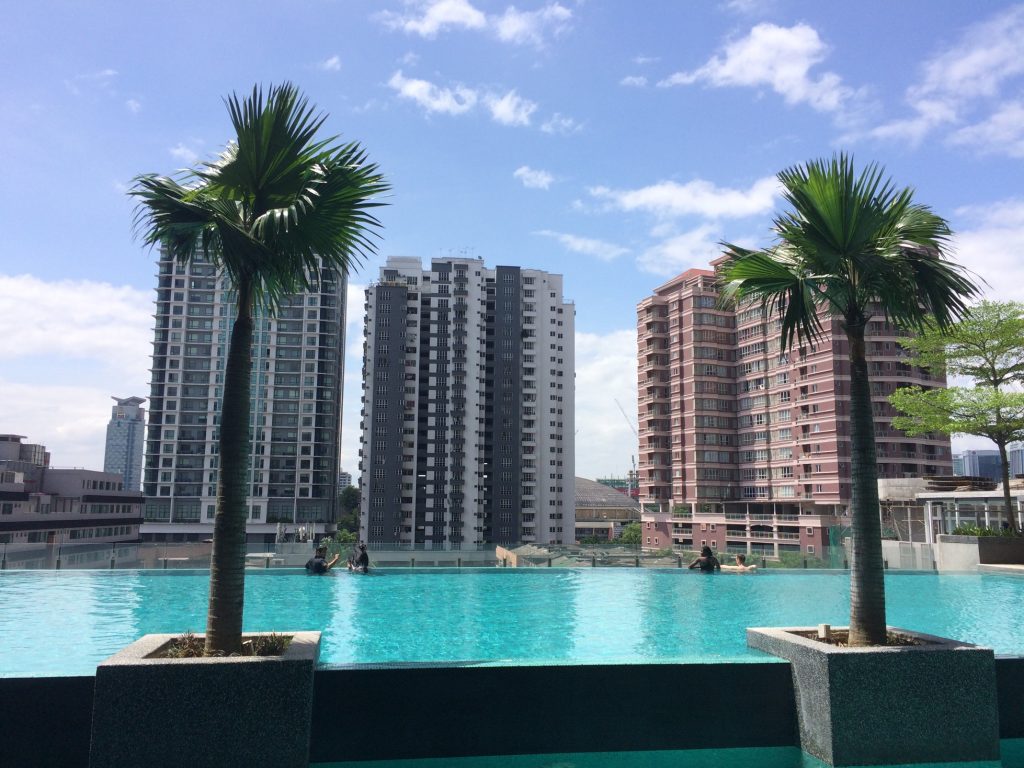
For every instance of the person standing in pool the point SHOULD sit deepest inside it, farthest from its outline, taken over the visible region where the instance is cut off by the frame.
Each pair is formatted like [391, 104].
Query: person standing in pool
[707, 562]
[318, 563]
[362, 561]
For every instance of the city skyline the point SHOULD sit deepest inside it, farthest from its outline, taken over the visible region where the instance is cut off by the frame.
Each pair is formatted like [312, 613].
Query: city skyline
[612, 146]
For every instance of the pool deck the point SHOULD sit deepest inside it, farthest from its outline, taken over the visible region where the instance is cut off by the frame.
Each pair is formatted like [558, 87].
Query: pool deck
[1013, 570]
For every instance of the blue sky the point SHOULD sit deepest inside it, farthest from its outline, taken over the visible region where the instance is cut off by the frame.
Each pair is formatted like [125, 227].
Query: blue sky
[615, 143]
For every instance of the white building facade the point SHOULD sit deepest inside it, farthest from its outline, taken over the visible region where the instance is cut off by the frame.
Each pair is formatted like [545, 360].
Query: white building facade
[297, 379]
[468, 407]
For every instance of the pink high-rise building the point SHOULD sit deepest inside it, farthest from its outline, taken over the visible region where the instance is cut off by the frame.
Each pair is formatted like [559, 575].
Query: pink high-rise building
[745, 446]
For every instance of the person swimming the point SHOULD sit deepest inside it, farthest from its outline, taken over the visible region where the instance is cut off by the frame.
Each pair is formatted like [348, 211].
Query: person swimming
[740, 566]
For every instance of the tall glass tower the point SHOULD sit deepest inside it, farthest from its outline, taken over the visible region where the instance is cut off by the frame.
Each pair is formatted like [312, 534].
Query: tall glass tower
[125, 440]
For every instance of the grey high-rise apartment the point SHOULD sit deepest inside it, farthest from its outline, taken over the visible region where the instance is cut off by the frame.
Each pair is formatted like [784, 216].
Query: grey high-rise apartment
[125, 440]
[468, 397]
[297, 365]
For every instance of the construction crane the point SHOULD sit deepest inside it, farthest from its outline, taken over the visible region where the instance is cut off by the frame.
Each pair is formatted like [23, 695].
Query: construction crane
[634, 478]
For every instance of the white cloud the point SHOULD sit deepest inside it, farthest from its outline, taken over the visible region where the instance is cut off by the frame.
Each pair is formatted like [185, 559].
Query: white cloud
[101, 80]
[430, 18]
[748, 7]
[76, 319]
[332, 64]
[133, 105]
[586, 245]
[605, 372]
[65, 347]
[990, 243]
[452, 101]
[642, 60]
[533, 178]
[675, 254]
[511, 109]
[530, 27]
[508, 109]
[1001, 133]
[184, 153]
[955, 81]
[634, 81]
[668, 198]
[560, 124]
[778, 57]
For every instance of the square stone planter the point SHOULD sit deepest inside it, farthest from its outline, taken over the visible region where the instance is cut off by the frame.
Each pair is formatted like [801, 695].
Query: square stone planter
[225, 712]
[933, 702]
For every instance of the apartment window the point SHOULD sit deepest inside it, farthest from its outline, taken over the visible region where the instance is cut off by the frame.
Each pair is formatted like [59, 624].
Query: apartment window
[810, 531]
[810, 549]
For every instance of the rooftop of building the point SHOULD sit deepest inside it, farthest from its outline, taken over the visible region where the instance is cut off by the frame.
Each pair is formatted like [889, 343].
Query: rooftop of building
[592, 494]
[133, 400]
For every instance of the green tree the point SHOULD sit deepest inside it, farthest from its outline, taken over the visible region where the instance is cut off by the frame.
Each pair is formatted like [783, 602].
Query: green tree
[348, 503]
[631, 536]
[987, 345]
[852, 246]
[278, 211]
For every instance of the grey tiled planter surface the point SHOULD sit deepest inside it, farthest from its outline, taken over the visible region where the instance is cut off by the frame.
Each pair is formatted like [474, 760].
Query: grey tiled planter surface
[934, 702]
[225, 712]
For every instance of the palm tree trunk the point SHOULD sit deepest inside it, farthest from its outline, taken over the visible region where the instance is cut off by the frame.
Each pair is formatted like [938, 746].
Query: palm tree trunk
[1004, 466]
[227, 564]
[867, 574]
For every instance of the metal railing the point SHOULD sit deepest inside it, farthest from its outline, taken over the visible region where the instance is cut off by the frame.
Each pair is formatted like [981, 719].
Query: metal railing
[178, 556]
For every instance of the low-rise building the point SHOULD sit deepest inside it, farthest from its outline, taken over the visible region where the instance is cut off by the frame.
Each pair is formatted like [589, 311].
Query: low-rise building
[602, 511]
[74, 515]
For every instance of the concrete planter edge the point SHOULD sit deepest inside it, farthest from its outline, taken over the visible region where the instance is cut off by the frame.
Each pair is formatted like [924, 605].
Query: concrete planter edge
[227, 711]
[933, 702]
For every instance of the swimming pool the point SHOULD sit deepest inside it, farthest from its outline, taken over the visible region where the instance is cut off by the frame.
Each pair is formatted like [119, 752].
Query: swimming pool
[764, 757]
[65, 622]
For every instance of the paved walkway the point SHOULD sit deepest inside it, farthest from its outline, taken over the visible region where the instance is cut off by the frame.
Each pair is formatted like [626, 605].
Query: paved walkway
[1014, 569]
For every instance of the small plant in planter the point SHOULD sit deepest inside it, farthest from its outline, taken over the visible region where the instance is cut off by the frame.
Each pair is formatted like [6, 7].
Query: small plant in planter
[188, 646]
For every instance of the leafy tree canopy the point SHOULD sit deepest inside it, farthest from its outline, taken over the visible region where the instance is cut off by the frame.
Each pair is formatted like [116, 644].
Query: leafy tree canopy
[632, 535]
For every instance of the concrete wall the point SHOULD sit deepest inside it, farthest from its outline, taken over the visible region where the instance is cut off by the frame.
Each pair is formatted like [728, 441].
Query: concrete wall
[439, 711]
[909, 556]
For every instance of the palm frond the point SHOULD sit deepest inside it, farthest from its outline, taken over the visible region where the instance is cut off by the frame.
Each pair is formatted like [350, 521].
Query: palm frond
[780, 283]
[276, 206]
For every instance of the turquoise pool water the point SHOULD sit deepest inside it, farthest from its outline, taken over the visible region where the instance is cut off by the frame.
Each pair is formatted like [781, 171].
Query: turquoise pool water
[65, 622]
[777, 757]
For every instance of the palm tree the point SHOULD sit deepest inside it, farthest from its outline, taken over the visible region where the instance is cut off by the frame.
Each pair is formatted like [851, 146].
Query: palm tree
[277, 210]
[852, 247]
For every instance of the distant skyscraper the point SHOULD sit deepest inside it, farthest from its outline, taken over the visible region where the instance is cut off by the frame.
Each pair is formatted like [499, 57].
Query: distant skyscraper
[1015, 455]
[297, 362]
[125, 441]
[468, 392]
[959, 465]
[344, 480]
[983, 463]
